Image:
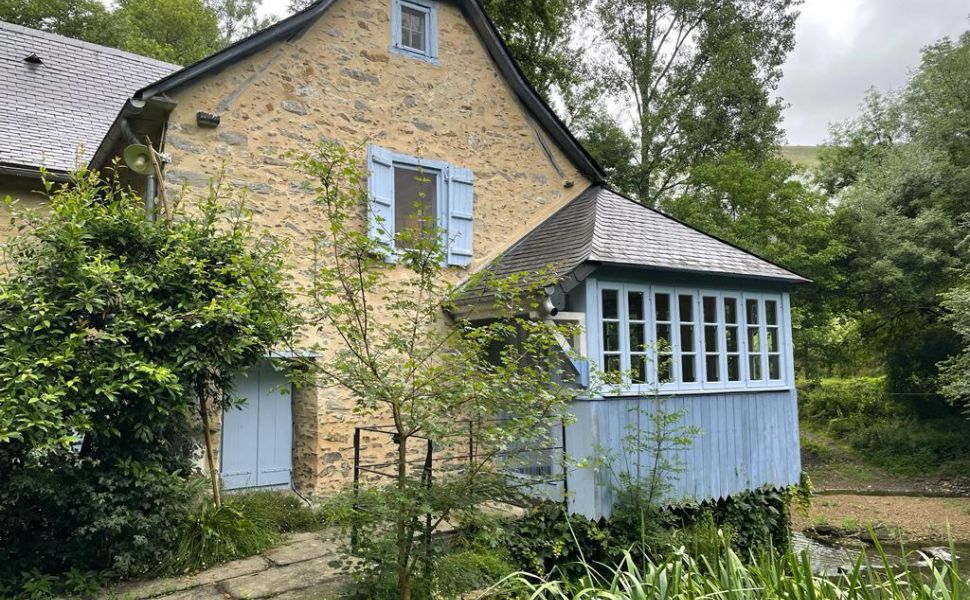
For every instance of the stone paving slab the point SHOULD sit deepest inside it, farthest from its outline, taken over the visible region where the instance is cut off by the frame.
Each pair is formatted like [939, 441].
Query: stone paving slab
[307, 549]
[156, 587]
[205, 592]
[297, 576]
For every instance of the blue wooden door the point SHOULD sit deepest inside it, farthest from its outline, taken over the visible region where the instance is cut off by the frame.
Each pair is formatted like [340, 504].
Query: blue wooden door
[257, 438]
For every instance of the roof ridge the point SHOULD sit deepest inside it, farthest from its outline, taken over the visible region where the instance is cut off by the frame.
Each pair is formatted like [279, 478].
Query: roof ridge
[50, 36]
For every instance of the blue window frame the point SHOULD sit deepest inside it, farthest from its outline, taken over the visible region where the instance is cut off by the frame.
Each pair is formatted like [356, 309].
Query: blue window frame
[414, 29]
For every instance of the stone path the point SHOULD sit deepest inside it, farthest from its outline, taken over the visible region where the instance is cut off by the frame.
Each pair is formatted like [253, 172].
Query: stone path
[307, 566]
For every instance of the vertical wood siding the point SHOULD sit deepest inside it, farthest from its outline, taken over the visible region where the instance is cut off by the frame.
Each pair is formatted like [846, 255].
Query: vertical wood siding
[746, 440]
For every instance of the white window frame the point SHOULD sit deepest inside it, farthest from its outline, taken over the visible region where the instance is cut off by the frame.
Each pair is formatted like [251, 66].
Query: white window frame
[595, 338]
[430, 9]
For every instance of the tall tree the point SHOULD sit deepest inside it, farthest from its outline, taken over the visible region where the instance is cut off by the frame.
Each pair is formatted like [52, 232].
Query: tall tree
[901, 174]
[539, 35]
[697, 78]
[88, 20]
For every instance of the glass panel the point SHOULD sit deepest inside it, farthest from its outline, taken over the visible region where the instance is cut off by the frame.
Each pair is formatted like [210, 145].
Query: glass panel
[688, 368]
[611, 304]
[751, 307]
[686, 307]
[635, 300]
[662, 303]
[710, 309]
[710, 338]
[638, 337]
[774, 367]
[663, 337]
[612, 363]
[686, 338]
[665, 369]
[754, 366]
[412, 28]
[772, 339]
[730, 310]
[713, 366]
[754, 339]
[611, 336]
[731, 338]
[639, 369]
[734, 368]
[771, 312]
[415, 201]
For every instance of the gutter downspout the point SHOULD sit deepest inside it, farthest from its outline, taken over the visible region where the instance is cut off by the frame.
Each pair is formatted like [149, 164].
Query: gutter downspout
[151, 186]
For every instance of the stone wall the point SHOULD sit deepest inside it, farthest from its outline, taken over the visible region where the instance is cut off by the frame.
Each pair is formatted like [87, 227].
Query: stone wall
[340, 81]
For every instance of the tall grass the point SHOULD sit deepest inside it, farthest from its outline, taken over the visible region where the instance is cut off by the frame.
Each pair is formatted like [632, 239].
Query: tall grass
[727, 577]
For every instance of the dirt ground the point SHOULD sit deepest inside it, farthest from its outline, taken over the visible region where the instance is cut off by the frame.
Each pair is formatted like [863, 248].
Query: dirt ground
[920, 520]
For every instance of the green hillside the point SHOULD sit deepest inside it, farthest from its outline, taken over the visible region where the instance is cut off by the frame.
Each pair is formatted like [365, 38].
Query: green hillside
[806, 156]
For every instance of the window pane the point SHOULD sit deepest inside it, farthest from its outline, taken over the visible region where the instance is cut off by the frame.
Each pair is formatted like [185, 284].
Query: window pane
[754, 366]
[688, 368]
[734, 368]
[612, 363]
[412, 28]
[774, 367]
[752, 311]
[415, 202]
[754, 339]
[638, 337]
[686, 338]
[713, 366]
[635, 300]
[686, 307]
[771, 312]
[730, 310]
[710, 338]
[665, 368]
[638, 366]
[611, 304]
[662, 303]
[710, 309]
[772, 339]
[731, 338]
[663, 337]
[611, 336]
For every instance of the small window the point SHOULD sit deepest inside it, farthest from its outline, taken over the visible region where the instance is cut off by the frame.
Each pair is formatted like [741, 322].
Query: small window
[414, 24]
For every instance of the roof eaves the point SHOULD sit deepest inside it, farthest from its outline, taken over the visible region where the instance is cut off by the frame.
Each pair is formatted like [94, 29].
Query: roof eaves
[529, 95]
[293, 25]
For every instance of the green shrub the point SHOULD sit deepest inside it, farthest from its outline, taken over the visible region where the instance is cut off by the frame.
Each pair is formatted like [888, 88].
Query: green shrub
[214, 535]
[846, 399]
[469, 570]
[549, 539]
[286, 511]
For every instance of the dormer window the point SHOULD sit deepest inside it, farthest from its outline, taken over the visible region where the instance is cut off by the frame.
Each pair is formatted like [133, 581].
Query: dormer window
[415, 28]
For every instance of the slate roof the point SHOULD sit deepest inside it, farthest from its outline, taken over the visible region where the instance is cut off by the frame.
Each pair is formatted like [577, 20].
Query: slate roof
[603, 227]
[50, 110]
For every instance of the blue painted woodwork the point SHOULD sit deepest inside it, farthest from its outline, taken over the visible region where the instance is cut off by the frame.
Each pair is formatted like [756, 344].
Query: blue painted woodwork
[257, 438]
[747, 440]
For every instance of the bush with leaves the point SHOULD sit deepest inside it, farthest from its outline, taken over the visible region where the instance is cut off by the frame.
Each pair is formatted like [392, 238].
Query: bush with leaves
[110, 323]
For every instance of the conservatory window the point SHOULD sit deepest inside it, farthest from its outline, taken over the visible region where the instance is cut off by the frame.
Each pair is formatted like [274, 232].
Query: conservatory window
[683, 339]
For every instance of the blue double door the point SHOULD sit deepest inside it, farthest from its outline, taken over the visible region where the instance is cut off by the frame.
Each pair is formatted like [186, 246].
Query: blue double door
[257, 438]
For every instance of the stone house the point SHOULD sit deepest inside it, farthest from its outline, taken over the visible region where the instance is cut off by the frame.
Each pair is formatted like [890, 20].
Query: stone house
[428, 84]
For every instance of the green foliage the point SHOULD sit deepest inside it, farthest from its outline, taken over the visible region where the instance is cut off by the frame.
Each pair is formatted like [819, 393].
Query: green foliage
[680, 576]
[216, 534]
[109, 322]
[882, 431]
[901, 176]
[469, 570]
[955, 371]
[285, 511]
[538, 34]
[176, 31]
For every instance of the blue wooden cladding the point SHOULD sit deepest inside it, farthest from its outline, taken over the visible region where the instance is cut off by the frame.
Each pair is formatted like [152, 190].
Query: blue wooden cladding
[747, 440]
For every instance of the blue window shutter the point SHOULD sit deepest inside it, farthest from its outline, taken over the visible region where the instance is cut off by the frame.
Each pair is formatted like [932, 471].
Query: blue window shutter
[380, 187]
[461, 200]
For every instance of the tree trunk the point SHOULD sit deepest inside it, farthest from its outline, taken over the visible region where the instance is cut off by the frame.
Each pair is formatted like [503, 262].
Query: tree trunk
[403, 543]
[209, 453]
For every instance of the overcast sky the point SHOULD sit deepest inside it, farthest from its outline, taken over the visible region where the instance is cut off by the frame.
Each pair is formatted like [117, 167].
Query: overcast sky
[843, 47]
